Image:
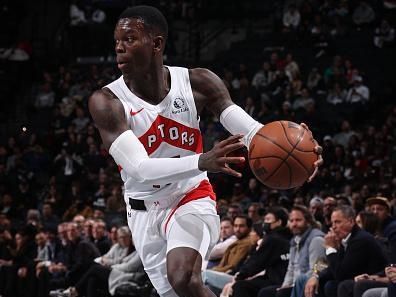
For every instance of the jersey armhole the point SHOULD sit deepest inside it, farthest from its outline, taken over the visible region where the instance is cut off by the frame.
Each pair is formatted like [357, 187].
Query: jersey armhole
[124, 104]
[191, 94]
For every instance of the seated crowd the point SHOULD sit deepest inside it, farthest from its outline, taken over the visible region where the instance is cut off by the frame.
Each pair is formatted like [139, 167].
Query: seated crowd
[326, 249]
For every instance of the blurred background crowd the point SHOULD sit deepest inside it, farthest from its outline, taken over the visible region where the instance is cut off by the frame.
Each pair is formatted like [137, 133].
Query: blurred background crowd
[328, 63]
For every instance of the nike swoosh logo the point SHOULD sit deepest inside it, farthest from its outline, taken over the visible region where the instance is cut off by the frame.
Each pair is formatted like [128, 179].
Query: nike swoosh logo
[133, 113]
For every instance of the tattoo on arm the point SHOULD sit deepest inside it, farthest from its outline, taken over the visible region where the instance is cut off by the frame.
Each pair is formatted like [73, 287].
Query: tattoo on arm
[108, 115]
[209, 91]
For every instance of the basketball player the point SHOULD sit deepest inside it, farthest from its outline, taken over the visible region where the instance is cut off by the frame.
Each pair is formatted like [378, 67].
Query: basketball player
[149, 121]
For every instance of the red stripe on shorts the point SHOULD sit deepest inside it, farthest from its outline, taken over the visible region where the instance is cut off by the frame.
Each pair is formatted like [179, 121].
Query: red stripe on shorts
[203, 190]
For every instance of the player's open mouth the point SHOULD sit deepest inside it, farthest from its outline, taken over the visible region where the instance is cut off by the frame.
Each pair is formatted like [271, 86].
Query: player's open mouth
[121, 64]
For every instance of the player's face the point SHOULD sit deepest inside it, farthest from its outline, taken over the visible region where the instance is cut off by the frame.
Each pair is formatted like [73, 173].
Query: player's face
[133, 46]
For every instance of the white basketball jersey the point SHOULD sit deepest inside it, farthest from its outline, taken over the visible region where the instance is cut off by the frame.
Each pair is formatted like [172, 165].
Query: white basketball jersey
[169, 129]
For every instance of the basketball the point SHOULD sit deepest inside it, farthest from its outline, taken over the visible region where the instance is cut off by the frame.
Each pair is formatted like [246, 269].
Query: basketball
[282, 155]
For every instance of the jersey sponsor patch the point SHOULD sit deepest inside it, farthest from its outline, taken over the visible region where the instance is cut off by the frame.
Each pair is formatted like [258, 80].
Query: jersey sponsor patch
[173, 133]
[179, 106]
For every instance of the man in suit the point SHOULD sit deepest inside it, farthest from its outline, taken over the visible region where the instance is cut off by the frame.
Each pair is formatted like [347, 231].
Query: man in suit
[350, 251]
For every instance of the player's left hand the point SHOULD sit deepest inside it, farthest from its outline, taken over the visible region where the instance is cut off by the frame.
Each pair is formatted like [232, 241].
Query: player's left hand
[318, 150]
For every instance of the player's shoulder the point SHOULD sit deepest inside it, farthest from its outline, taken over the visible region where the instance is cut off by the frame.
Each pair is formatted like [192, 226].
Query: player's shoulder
[201, 73]
[102, 99]
[203, 77]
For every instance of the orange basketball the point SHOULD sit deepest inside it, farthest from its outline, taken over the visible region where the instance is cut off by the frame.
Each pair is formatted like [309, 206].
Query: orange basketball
[282, 155]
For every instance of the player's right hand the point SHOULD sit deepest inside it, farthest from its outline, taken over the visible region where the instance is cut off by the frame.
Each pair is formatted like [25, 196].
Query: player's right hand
[318, 150]
[216, 159]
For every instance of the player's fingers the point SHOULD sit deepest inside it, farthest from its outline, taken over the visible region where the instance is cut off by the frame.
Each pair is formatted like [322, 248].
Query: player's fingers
[318, 149]
[230, 171]
[318, 162]
[304, 126]
[231, 139]
[307, 128]
[230, 148]
[233, 160]
[313, 174]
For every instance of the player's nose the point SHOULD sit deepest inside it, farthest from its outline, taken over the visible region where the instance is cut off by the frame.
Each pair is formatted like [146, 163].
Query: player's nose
[119, 47]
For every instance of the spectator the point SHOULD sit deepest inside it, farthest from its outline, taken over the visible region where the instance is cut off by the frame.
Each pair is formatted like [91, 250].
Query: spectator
[43, 249]
[292, 69]
[342, 138]
[384, 35]
[270, 256]
[328, 206]
[77, 15]
[291, 18]
[99, 235]
[80, 255]
[48, 219]
[302, 102]
[368, 221]
[117, 267]
[254, 213]
[263, 78]
[45, 98]
[98, 16]
[219, 275]
[250, 107]
[363, 14]
[306, 248]
[336, 95]
[316, 209]
[380, 206]
[5, 247]
[359, 93]
[314, 80]
[350, 252]
[33, 218]
[227, 238]
[80, 121]
[17, 275]
[233, 211]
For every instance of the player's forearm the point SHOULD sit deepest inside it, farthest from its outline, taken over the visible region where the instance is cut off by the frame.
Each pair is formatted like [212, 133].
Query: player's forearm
[130, 154]
[237, 121]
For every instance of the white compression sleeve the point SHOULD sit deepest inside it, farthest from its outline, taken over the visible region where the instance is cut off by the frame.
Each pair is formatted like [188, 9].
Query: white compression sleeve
[237, 121]
[130, 154]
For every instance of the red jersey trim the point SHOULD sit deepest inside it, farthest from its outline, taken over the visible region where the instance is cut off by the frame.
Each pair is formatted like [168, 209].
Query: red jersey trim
[203, 190]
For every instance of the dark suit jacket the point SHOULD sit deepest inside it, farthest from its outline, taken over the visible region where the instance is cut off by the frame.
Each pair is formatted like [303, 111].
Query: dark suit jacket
[363, 254]
[272, 255]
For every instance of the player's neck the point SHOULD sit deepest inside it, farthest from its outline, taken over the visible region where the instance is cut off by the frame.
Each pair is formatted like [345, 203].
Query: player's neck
[152, 86]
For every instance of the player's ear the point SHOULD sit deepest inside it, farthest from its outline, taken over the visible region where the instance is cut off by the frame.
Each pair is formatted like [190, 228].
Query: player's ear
[159, 43]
